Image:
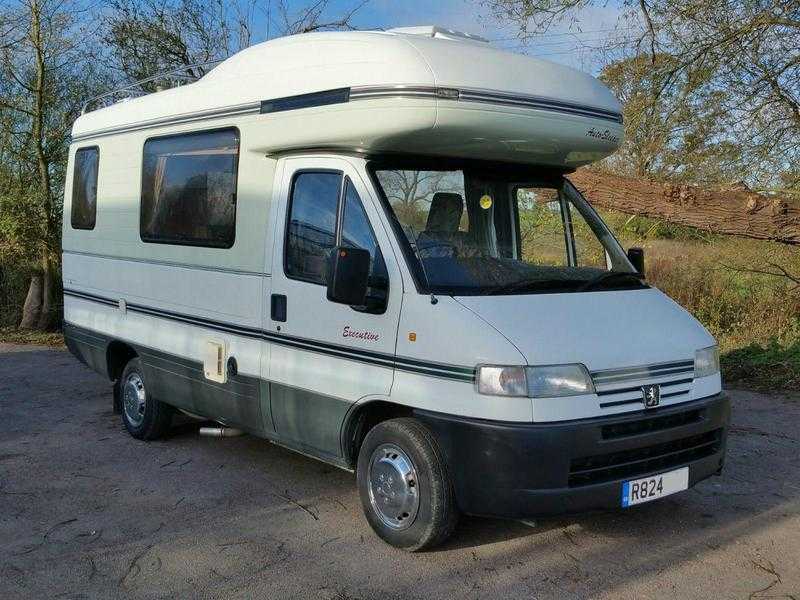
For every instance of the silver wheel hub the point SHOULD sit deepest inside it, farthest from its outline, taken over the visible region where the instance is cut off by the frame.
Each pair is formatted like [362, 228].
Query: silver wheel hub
[393, 486]
[133, 398]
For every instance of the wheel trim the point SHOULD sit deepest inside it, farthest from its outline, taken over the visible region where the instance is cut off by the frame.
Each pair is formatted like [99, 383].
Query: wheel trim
[393, 487]
[134, 399]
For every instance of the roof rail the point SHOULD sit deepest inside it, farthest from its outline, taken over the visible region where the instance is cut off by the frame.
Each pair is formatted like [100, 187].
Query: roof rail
[181, 73]
[435, 31]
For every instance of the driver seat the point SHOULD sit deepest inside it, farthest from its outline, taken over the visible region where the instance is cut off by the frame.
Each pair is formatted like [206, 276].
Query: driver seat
[441, 236]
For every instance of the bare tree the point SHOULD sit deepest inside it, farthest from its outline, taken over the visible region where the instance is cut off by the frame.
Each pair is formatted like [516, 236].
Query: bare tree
[772, 269]
[680, 134]
[44, 78]
[536, 16]
[746, 54]
[315, 17]
[752, 49]
[145, 37]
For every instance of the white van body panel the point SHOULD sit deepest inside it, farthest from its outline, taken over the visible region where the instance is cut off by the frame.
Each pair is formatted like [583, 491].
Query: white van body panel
[458, 64]
[446, 332]
[602, 330]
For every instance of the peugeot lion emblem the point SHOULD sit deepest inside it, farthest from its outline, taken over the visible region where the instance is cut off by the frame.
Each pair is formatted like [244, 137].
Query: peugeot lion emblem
[651, 395]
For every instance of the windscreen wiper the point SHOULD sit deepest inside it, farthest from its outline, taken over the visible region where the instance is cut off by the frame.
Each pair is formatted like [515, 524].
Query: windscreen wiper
[517, 286]
[610, 276]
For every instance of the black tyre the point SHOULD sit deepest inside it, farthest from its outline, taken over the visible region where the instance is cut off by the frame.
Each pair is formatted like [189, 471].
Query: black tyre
[404, 485]
[144, 417]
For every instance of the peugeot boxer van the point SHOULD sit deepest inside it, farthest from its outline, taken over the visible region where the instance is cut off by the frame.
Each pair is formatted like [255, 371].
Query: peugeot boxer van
[365, 247]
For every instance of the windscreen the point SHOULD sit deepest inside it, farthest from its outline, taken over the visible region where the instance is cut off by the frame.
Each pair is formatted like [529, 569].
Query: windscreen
[474, 232]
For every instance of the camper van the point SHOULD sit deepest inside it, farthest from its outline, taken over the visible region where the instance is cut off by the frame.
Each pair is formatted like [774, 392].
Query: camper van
[365, 247]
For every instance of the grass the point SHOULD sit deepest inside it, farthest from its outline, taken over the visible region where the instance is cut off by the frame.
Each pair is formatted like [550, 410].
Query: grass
[12, 335]
[765, 368]
[754, 317]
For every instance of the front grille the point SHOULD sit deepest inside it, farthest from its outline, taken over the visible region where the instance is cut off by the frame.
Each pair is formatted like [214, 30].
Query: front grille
[626, 464]
[629, 428]
[678, 368]
[623, 387]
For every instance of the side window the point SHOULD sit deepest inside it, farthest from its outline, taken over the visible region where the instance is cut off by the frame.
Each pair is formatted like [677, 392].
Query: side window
[589, 252]
[84, 188]
[357, 233]
[189, 189]
[542, 238]
[311, 233]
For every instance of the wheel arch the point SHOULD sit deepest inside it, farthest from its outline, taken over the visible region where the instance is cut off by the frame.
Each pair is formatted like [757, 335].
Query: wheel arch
[118, 354]
[363, 416]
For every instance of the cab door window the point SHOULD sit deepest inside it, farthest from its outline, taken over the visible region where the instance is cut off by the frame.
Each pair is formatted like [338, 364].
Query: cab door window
[325, 211]
[311, 233]
[356, 232]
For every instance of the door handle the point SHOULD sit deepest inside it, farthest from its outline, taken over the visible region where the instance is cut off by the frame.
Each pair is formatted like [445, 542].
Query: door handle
[278, 307]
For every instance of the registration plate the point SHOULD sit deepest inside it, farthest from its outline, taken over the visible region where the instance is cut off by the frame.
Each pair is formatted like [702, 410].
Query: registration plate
[646, 489]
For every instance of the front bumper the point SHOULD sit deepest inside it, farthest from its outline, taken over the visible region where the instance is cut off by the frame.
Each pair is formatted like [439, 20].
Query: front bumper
[522, 470]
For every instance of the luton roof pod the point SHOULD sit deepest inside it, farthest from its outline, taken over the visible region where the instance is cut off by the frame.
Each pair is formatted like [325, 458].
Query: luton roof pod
[413, 90]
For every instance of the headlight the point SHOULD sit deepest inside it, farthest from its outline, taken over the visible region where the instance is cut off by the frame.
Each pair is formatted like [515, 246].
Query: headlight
[706, 362]
[559, 380]
[534, 382]
[502, 381]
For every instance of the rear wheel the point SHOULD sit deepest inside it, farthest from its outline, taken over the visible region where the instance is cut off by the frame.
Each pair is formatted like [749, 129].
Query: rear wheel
[144, 417]
[404, 485]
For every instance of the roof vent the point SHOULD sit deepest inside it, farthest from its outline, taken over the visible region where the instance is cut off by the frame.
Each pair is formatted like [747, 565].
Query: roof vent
[435, 31]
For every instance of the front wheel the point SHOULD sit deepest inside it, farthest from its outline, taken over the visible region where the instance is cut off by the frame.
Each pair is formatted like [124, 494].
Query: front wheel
[144, 417]
[404, 485]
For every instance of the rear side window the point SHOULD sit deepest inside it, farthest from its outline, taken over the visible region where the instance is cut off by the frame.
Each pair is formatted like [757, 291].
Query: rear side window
[84, 188]
[189, 189]
[312, 225]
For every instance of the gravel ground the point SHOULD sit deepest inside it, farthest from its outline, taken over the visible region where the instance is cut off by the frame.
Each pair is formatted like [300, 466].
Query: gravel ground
[87, 511]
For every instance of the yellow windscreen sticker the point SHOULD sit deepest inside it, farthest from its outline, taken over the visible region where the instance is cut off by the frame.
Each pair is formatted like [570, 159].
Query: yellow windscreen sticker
[486, 202]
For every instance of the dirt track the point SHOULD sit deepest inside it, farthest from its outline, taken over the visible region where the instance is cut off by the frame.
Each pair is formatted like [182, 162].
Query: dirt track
[87, 511]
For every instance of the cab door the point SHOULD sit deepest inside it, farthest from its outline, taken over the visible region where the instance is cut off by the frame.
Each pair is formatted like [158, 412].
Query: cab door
[325, 356]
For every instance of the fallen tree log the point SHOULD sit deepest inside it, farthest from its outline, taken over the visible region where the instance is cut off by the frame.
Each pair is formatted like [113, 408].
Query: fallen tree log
[734, 211]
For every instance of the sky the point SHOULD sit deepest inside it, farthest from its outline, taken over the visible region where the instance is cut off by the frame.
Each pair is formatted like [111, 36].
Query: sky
[569, 44]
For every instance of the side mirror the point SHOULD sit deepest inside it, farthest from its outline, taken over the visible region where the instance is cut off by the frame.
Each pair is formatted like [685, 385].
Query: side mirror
[636, 256]
[349, 275]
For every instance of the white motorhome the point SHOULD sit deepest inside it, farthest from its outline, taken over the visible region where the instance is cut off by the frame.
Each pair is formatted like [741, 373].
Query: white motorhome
[362, 246]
